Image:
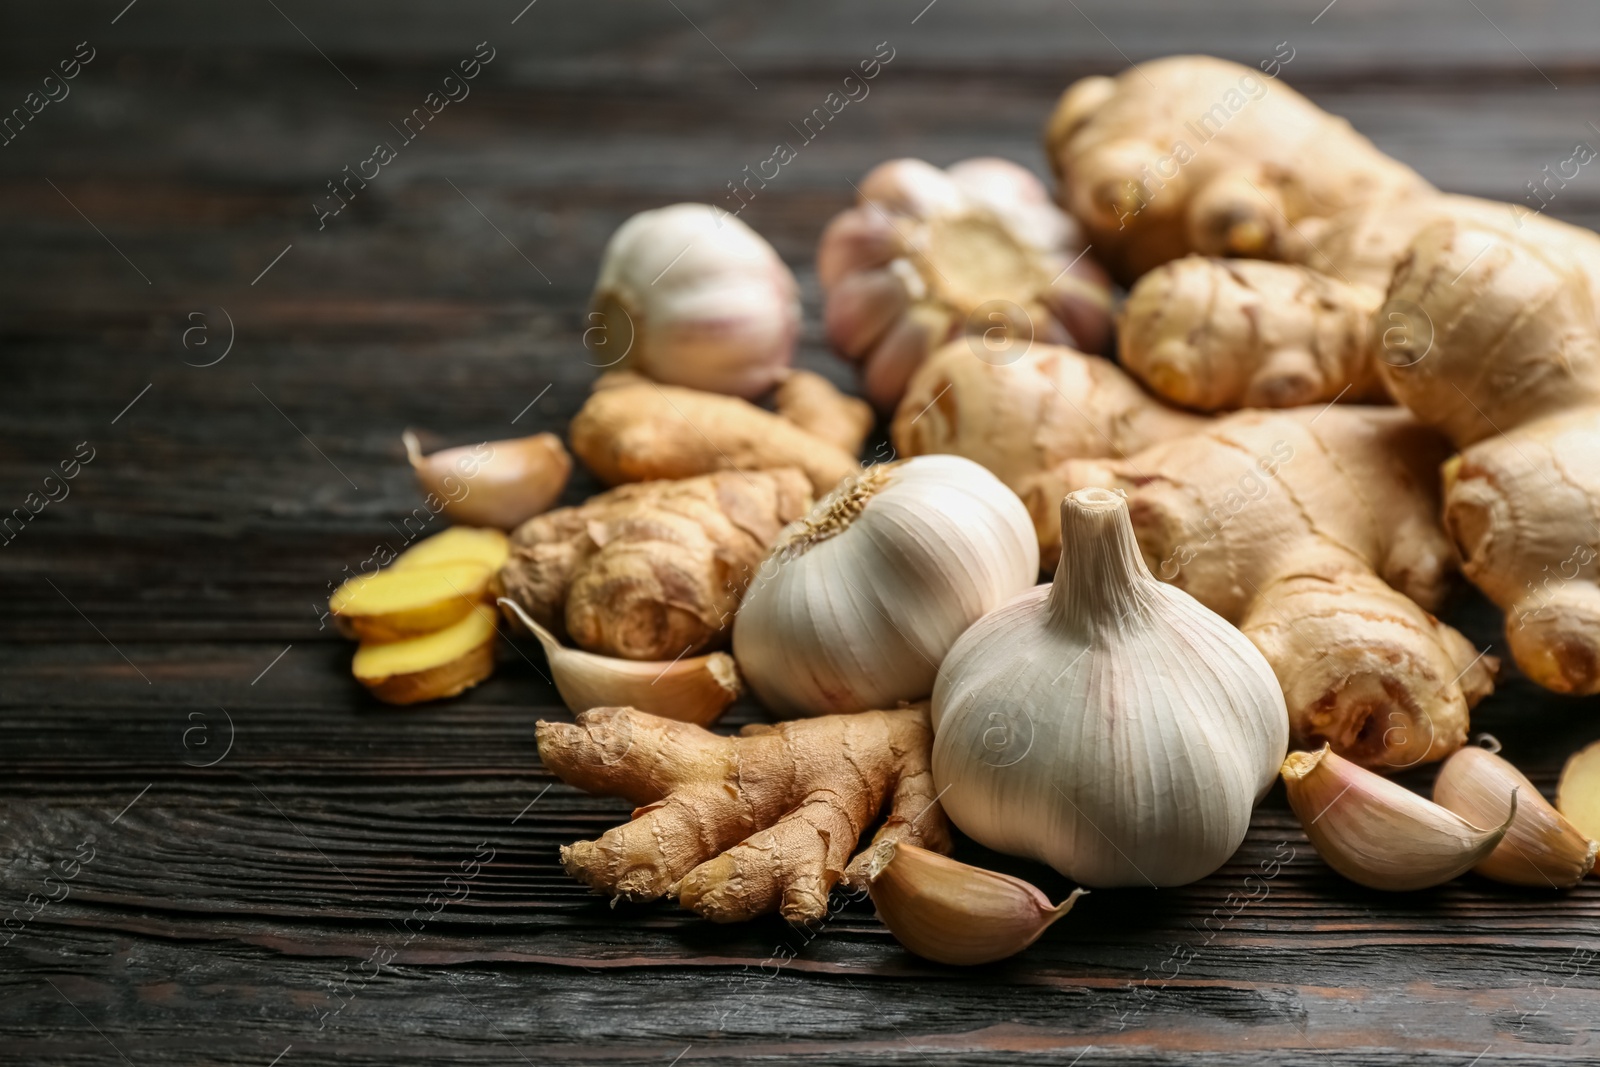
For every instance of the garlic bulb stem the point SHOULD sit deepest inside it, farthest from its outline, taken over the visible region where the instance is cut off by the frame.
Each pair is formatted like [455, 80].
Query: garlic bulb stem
[1103, 581]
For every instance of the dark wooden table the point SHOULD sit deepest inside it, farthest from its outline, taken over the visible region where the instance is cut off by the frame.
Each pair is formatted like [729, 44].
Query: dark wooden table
[249, 833]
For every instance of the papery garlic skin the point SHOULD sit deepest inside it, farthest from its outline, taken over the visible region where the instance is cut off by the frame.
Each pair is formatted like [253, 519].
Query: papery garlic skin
[928, 255]
[1107, 724]
[860, 601]
[690, 295]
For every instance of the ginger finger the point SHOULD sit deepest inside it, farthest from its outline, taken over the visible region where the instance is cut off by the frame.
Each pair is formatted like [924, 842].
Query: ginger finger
[635, 431]
[1216, 334]
[740, 826]
[812, 403]
[1022, 419]
[1510, 370]
[1191, 154]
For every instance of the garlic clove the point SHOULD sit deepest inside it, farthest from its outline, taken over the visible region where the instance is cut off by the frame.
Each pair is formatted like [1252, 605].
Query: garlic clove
[856, 241]
[952, 912]
[1380, 834]
[1541, 848]
[1578, 793]
[695, 689]
[494, 483]
[861, 308]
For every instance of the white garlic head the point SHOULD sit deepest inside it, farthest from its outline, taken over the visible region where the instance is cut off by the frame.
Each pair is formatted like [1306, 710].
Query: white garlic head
[690, 295]
[860, 600]
[1107, 724]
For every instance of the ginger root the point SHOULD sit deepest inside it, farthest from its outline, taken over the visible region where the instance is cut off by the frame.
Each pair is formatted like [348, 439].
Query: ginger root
[929, 254]
[1316, 533]
[634, 430]
[430, 666]
[1191, 154]
[1023, 419]
[812, 403]
[1509, 369]
[1219, 334]
[655, 570]
[736, 827]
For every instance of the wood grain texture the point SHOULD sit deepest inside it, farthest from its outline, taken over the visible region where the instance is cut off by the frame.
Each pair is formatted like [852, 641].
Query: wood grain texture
[354, 884]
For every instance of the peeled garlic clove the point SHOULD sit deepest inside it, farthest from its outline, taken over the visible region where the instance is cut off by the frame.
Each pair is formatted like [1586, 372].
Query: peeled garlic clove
[951, 912]
[696, 689]
[1578, 794]
[689, 295]
[1380, 834]
[495, 483]
[1541, 848]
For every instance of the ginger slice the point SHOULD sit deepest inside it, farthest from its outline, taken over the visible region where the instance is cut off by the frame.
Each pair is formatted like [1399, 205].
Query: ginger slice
[432, 666]
[399, 603]
[1578, 794]
[459, 544]
[736, 827]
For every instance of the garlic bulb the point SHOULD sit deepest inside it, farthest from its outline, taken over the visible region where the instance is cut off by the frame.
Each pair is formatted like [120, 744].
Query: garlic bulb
[1106, 724]
[860, 600]
[689, 295]
[928, 255]
[496, 483]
